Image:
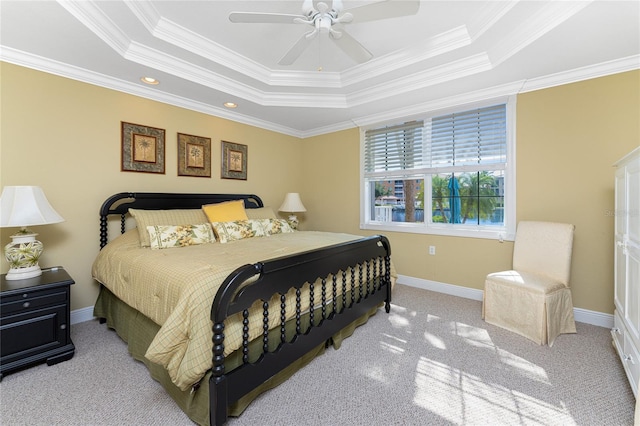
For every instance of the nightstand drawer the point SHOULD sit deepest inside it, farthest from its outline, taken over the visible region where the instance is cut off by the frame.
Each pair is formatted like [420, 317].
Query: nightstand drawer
[32, 332]
[34, 300]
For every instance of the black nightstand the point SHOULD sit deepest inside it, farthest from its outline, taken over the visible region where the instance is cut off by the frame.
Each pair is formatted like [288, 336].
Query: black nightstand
[35, 320]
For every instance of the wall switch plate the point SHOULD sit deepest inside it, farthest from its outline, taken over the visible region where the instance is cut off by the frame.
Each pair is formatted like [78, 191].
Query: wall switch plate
[432, 250]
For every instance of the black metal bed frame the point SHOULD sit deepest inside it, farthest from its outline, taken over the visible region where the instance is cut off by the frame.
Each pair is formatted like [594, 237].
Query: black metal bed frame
[364, 262]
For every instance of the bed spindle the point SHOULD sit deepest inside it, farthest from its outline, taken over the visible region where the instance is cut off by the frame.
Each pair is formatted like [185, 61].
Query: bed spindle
[323, 298]
[353, 285]
[312, 298]
[334, 289]
[298, 312]
[360, 283]
[344, 290]
[283, 318]
[265, 327]
[245, 336]
[368, 278]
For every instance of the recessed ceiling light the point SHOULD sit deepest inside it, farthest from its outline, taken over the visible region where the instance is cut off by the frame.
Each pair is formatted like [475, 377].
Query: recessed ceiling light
[230, 104]
[149, 80]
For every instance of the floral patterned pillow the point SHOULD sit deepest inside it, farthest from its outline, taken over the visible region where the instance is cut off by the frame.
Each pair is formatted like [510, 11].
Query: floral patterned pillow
[241, 229]
[168, 236]
[238, 230]
[276, 226]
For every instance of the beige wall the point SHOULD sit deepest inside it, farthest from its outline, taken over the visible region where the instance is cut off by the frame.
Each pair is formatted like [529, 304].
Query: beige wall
[64, 136]
[568, 137]
[70, 134]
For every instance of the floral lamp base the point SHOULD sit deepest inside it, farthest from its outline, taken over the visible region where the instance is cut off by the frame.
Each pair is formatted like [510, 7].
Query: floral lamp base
[293, 221]
[23, 253]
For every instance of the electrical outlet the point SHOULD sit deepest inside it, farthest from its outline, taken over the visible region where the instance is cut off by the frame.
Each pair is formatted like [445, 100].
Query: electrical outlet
[432, 250]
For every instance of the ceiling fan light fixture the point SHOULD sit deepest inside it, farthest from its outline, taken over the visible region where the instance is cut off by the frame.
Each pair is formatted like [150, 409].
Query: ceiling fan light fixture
[322, 16]
[149, 80]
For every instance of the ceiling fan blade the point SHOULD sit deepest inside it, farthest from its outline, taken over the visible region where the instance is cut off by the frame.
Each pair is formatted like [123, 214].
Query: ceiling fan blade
[263, 18]
[384, 9]
[352, 47]
[297, 49]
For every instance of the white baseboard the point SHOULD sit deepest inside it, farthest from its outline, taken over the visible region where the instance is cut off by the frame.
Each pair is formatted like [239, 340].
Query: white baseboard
[82, 315]
[581, 315]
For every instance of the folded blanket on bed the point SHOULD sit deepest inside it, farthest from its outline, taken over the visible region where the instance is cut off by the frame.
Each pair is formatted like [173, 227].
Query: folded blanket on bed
[175, 288]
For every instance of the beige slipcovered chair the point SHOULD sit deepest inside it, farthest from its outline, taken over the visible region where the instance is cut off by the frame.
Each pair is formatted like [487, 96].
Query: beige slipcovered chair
[534, 299]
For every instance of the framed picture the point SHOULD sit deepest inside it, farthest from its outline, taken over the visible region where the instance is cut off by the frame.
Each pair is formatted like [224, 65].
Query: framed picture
[194, 156]
[142, 148]
[234, 161]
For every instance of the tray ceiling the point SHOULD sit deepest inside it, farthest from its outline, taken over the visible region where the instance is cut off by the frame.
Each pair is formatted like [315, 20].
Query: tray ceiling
[448, 53]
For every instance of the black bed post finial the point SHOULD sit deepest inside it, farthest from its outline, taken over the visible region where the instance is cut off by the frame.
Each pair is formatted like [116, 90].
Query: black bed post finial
[103, 231]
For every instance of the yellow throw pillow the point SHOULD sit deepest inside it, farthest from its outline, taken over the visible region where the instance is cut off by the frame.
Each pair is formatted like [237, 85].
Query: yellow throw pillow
[225, 212]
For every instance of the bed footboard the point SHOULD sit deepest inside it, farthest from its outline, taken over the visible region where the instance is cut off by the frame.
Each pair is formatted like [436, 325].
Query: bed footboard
[350, 279]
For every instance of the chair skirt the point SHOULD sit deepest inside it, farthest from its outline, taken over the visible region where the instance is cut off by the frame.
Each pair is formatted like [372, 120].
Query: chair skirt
[532, 305]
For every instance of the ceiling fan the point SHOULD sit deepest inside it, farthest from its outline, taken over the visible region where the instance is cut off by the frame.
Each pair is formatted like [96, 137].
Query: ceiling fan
[327, 17]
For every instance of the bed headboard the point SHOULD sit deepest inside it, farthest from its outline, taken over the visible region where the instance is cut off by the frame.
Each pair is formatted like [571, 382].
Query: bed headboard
[119, 204]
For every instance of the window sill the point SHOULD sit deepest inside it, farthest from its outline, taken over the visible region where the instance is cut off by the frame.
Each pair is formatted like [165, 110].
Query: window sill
[489, 233]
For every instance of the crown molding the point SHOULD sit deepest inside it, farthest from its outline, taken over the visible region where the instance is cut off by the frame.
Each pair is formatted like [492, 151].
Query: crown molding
[49, 66]
[430, 77]
[616, 66]
[97, 22]
[417, 110]
[538, 24]
[39, 63]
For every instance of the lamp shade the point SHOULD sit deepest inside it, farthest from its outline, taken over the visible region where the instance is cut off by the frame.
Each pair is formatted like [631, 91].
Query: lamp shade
[23, 206]
[292, 203]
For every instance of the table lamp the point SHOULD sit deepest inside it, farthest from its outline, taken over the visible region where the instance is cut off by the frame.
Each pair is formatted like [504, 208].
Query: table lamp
[292, 204]
[22, 206]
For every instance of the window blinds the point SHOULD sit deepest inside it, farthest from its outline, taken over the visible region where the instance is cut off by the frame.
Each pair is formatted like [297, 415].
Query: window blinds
[472, 137]
[394, 148]
[475, 137]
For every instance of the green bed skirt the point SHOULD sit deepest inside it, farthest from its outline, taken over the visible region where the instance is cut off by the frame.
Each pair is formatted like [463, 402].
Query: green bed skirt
[138, 331]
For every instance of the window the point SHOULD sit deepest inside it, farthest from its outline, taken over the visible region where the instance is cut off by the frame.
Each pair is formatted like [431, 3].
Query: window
[450, 174]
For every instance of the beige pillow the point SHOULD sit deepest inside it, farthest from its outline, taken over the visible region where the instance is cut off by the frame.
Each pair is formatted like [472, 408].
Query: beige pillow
[146, 218]
[261, 213]
[225, 212]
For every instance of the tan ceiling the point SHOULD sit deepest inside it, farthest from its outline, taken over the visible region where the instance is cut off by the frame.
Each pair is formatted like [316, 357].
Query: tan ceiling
[448, 53]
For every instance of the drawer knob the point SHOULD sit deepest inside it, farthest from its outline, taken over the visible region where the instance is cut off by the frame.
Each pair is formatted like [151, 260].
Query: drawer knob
[63, 326]
[26, 304]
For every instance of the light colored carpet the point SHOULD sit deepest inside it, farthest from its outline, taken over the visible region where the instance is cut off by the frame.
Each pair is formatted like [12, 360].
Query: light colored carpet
[431, 361]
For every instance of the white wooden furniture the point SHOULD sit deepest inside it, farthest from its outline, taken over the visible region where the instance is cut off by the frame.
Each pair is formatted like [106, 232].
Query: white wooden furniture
[626, 331]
